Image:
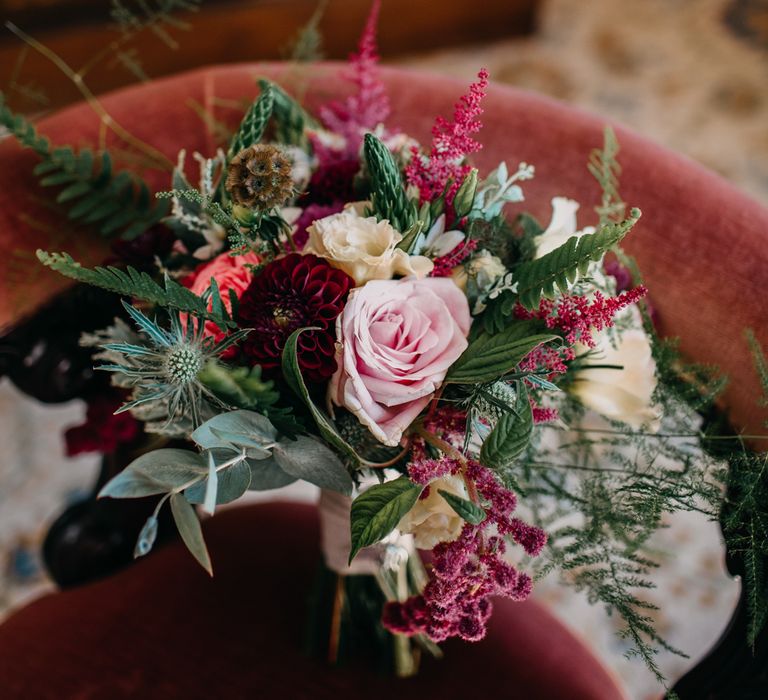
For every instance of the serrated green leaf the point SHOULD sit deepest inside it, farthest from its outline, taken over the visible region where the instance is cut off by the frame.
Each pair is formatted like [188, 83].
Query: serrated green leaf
[490, 356]
[511, 434]
[377, 511]
[189, 528]
[471, 512]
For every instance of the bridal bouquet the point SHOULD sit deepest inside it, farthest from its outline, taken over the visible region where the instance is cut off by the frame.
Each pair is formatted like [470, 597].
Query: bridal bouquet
[336, 303]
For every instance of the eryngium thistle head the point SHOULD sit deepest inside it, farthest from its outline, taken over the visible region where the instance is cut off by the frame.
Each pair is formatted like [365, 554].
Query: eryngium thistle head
[259, 177]
[182, 364]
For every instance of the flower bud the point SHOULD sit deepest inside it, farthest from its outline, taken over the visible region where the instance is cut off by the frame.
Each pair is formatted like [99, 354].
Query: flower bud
[465, 195]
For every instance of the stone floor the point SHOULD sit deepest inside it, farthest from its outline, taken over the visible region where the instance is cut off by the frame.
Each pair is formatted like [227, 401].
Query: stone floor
[690, 74]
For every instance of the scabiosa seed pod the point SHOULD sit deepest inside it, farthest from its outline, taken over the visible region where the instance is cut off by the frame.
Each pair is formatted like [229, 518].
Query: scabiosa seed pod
[290, 293]
[259, 177]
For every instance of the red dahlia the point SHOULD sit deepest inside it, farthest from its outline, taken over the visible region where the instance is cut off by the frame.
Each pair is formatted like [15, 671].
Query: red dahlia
[294, 292]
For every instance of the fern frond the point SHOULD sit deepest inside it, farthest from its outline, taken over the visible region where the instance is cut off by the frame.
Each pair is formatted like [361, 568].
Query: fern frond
[388, 195]
[539, 278]
[115, 203]
[139, 285]
[254, 122]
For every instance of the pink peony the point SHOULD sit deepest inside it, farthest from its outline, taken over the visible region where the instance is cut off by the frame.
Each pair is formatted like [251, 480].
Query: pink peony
[230, 273]
[397, 341]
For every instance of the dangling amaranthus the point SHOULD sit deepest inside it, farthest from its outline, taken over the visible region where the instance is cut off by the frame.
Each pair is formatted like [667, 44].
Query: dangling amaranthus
[259, 177]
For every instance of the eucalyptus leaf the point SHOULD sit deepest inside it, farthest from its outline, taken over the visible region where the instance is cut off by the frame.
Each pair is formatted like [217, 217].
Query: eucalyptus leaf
[471, 512]
[295, 381]
[377, 511]
[266, 475]
[156, 472]
[233, 482]
[312, 461]
[240, 428]
[189, 528]
[147, 537]
[211, 486]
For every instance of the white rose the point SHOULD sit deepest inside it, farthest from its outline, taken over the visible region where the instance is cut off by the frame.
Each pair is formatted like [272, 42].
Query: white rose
[432, 520]
[363, 247]
[479, 274]
[561, 227]
[624, 394]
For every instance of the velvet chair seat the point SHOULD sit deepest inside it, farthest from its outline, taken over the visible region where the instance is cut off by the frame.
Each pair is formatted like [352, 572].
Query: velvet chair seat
[163, 629]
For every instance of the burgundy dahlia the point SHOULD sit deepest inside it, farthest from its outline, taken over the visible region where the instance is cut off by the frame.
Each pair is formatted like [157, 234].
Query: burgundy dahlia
[294, 292]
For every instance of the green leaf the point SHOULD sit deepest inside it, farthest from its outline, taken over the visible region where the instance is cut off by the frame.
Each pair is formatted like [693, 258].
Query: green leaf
[511, 434]
[134, 284]
[189, 528]
[266, 475]
[312, 461]
[254, 122]
[233, 481]
[388, 196]
[563, 266]
[471, 512]
[377, 511]
[146, 539]
[490, 356]
[246, 429]
[292, 375]
[156, 472]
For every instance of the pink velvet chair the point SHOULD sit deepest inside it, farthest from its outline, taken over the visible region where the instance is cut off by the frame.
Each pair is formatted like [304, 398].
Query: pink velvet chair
[160, 628]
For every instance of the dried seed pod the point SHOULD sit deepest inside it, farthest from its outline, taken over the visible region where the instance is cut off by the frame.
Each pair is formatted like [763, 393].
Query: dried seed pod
[259, 177]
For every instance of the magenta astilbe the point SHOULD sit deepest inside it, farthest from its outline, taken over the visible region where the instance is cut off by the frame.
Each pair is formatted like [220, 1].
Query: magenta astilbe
[470, 569]
[578, 316]
[543, 415]
[422, 471]
[369, 106]
[551, 360]
[445, 264]
[452, 142]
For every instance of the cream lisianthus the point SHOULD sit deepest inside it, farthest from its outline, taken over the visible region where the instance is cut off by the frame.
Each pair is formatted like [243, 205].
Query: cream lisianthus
[561, 227]
[432, 520]
[363, 247]
[624, 394]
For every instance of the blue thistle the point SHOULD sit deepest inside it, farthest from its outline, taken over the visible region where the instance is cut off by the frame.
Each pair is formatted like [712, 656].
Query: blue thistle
[165, 371]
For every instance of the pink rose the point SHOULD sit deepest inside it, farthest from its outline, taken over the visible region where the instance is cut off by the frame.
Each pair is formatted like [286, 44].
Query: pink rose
[230, 273]
[397, 340]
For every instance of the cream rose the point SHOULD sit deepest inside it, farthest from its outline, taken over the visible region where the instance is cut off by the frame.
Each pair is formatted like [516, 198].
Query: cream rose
[432, 520]
[397, 339]
[363, 247]
[624, 394]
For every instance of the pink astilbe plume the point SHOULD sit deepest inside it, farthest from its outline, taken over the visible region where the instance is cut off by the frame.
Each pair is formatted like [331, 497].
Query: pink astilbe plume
[367, 108]
[445, 264]
[470, 569]
[578, 317]
[452, 142]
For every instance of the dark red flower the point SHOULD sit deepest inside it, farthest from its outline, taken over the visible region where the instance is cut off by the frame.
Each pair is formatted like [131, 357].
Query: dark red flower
[294, 292]
[102, 431]
[333, 181]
